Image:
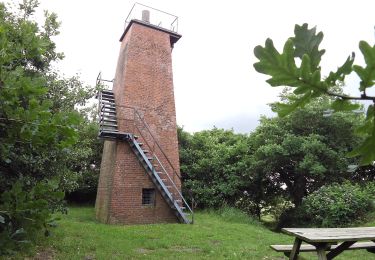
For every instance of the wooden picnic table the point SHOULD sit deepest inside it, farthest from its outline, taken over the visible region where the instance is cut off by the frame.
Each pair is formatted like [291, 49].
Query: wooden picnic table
[323, 238]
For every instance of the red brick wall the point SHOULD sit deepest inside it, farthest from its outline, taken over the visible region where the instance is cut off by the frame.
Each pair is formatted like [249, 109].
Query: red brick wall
[144, 81]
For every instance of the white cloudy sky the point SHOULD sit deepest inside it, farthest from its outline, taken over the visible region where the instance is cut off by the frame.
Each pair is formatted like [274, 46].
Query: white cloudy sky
[214, 80]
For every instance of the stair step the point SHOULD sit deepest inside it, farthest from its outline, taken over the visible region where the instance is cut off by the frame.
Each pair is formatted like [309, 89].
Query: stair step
[107, 120]
[110, 125]
[108, 105]
[107, 95]
[146, 151]
[108, 114]
[150, 158]
[108, 117]
[106, 91]
[140, 144]
[105, 101]
[108, 100]
[111, 116]
[135, 137]
[107, 109]
[108, 132]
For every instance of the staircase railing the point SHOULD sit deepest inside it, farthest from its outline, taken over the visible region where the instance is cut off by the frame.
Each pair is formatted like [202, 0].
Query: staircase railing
[184, 204]
[142, 129]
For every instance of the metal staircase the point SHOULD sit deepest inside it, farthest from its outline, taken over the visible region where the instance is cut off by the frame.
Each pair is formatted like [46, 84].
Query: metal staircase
[145, 153]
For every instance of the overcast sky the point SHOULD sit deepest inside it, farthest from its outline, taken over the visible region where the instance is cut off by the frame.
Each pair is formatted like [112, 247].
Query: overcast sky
[214, 80]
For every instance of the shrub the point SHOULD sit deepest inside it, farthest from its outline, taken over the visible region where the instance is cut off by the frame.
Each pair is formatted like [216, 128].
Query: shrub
[247, 205]
[292, 217]
[25, 213]
[337, 205]
[235, 215]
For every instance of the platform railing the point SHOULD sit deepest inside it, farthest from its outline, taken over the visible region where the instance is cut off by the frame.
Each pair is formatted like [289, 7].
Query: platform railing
[158, 17]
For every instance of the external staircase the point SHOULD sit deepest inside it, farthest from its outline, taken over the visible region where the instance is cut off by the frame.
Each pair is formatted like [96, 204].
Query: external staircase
[145, 153]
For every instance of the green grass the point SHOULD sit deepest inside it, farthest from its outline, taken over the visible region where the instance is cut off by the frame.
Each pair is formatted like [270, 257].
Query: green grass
[225, 234]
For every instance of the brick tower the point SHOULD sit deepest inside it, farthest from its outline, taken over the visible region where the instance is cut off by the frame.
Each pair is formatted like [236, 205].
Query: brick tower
[140, 172]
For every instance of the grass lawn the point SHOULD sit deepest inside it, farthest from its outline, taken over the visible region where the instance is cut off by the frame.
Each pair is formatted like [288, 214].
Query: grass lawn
[224, 235]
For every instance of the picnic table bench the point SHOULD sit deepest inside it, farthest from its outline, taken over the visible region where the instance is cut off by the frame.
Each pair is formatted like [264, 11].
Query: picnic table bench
[327, 242]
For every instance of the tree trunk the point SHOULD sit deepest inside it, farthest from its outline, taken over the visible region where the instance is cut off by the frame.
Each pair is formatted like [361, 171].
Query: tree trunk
[298, 191]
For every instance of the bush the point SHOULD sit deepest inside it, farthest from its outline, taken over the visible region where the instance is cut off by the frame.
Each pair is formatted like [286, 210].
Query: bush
[292, 217]
[235, 215]
[337, 205]
[25, 213]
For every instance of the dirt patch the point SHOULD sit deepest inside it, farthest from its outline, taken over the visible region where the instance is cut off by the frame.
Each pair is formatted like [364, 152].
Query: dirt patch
[215, 242]
[185, 249]
[89, 257]
[45, 254]
[143, 250]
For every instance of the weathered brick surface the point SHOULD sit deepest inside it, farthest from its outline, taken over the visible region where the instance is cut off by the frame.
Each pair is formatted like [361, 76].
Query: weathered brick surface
[105, 181]
[143, 81]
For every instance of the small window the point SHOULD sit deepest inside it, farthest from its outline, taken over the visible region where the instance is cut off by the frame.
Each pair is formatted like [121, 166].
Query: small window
[148, 196]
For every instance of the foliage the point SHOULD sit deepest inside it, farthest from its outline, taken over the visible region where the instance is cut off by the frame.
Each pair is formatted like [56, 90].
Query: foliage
[337, 205]
[280, 163]
[234, 215]
[295, 155]
[84, 161]
[214, 165]
[298, 67]
[39, 119]
[24, 211]
[32, 136]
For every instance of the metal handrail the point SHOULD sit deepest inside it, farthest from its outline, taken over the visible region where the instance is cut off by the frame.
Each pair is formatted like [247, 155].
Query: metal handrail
[174, 185]
[175, 18]
[135, 111]
[158, 145]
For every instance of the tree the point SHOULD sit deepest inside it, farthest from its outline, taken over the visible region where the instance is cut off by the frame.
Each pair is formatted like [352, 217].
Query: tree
[213, 166]
[84, 163]
[32, 135]
[38, 126]
[308, 83]
[297, 154]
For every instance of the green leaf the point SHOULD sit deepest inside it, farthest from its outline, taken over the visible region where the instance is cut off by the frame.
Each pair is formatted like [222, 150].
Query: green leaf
[20, 231]
[367, 128]
[2, 220]
[341, 71]
[370, 114]
[306, 67]
[307, 42]
[366, 151]
[344, 105]
[284, 109]
[282, 68]
[366, 74]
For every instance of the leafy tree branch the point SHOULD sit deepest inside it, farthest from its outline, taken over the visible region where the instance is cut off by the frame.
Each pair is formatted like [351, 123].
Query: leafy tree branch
[308, 84]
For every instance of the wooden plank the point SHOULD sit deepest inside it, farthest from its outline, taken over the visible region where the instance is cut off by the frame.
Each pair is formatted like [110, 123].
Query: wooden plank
[321, 254]
[311, 248]
[339, 249]
[314, 235]
[288, 248]
[295, 249]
